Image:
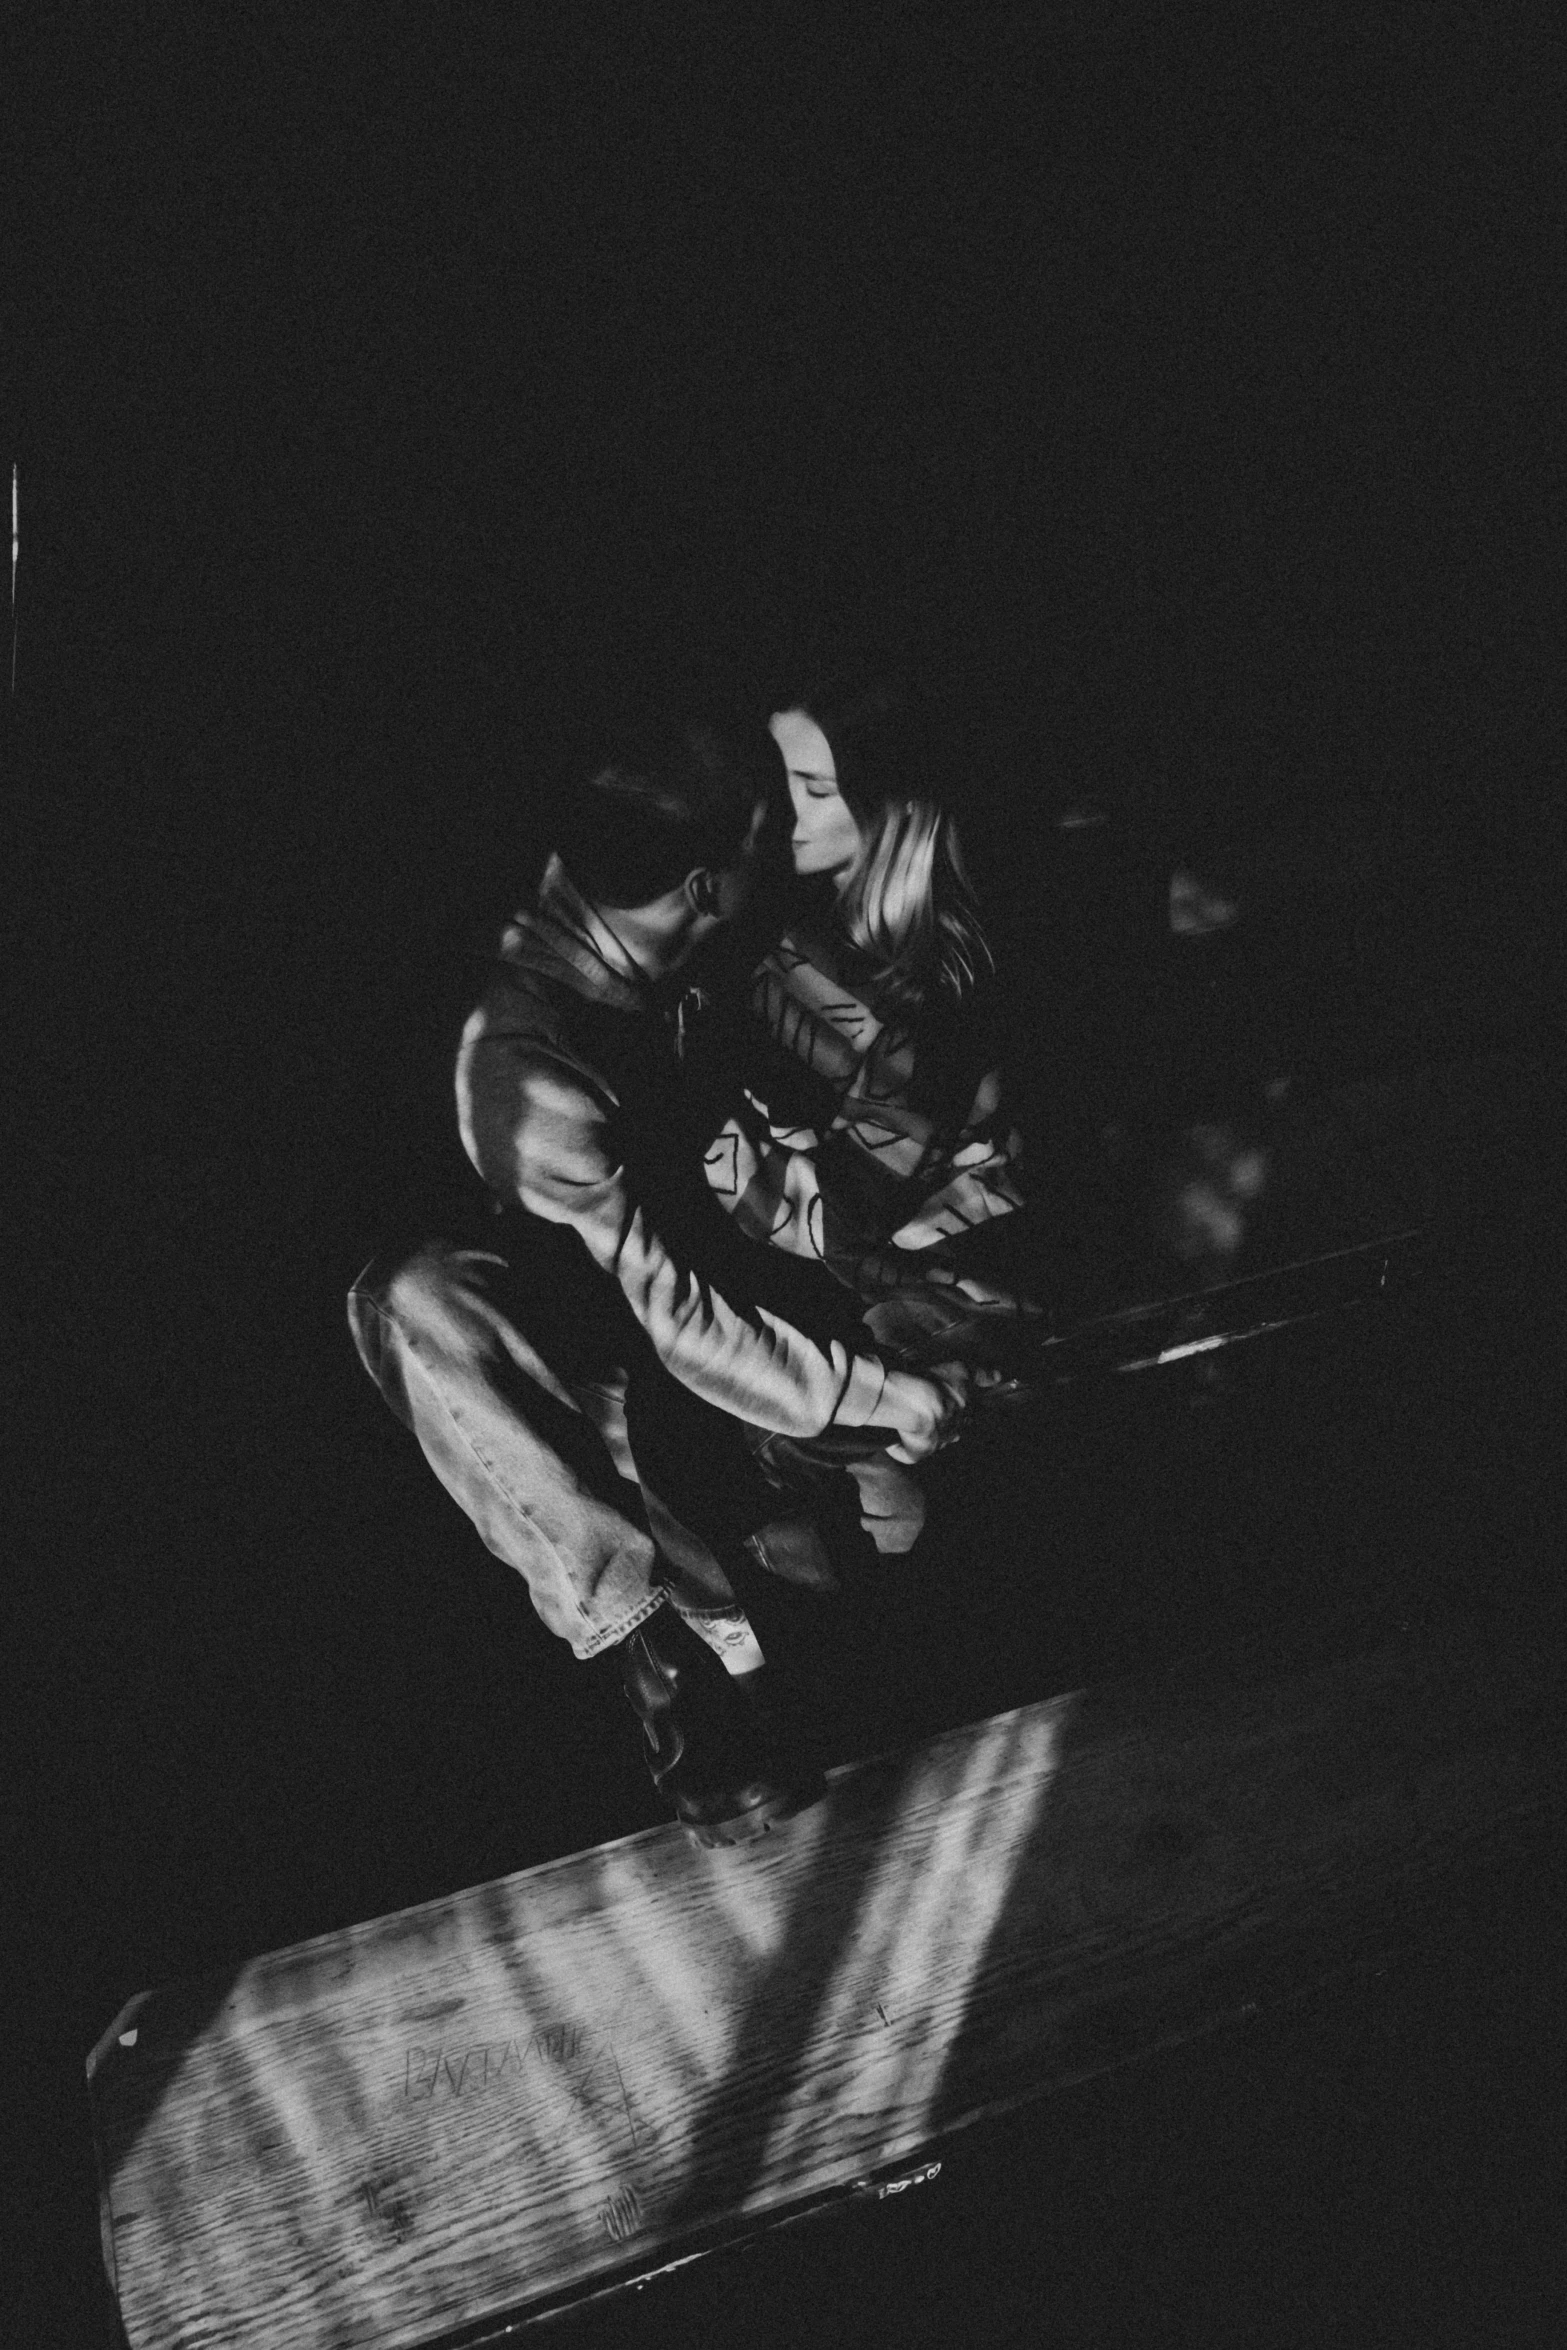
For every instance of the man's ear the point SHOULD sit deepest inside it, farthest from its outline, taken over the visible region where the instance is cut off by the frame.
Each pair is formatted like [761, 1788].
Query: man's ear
[702, 890]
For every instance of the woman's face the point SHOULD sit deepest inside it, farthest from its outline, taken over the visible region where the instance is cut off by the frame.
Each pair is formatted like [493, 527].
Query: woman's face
[826, 838]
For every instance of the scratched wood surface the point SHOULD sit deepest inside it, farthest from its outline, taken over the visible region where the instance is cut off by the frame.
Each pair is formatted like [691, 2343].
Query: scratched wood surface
[503, 2099]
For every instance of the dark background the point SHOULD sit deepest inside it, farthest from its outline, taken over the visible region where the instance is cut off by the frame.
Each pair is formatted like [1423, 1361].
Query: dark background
[1176, 395]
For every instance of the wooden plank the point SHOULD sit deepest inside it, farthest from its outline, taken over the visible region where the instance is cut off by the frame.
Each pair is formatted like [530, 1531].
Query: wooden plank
[1189, 1322]
[496, 2102]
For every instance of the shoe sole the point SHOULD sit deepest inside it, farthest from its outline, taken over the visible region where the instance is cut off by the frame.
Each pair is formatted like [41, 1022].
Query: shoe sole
[749, 1827]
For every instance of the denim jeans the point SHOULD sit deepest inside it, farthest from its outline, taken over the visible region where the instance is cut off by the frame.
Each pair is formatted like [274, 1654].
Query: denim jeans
[507, 1373]
[580, 1461]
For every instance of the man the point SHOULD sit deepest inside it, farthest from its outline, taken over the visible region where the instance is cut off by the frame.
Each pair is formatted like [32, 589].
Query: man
[605, 1323]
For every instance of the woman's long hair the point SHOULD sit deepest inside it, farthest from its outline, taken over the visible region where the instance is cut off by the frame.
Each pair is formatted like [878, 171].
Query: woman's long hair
[907, 903]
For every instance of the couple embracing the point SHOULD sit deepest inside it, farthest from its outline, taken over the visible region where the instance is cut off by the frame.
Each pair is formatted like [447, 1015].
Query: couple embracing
[728, 1094]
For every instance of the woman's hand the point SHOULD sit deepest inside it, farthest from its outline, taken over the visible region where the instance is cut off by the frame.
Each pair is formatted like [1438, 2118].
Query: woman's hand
[985, 1293]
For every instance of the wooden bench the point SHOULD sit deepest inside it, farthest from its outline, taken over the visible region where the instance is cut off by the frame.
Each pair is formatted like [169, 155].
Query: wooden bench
[499, 2103]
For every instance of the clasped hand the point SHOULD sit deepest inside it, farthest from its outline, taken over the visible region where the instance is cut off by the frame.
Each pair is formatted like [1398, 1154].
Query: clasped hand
[928, 1406]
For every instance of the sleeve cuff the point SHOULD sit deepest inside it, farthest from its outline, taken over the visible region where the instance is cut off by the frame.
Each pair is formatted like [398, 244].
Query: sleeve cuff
[862, 1392]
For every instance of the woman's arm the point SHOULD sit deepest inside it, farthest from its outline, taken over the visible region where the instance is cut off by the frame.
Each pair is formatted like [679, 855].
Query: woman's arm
[975, 1180]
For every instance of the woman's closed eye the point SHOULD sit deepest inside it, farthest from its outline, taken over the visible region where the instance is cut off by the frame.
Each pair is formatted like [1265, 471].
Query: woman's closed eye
[825, 839]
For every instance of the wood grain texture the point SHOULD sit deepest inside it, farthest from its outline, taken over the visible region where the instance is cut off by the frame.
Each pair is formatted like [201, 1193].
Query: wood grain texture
[503, 2098]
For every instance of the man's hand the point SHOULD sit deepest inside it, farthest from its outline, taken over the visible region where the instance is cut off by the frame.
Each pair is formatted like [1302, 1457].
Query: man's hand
[925, 1409]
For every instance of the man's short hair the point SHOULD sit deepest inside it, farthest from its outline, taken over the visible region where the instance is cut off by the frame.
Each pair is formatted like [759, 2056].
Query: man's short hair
[660, 802]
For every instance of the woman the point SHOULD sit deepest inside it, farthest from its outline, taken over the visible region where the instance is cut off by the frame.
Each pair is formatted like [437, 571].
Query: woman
[872, 1135]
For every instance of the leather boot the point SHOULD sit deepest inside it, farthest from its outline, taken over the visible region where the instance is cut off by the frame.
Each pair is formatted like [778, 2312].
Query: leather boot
[718, 1758]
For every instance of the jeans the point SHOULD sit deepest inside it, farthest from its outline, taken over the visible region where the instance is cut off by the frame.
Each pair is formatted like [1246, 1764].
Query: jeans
[581, 1463]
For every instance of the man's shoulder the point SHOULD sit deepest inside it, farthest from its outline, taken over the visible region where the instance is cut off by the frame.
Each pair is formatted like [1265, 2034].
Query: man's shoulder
[519, 998]
[528, 1016]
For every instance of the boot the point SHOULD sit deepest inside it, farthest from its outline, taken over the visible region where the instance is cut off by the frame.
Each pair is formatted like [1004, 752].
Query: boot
[717, 1757]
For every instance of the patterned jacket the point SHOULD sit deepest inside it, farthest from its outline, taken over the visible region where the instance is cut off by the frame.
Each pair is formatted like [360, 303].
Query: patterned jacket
[570, 1105]
[857, 1141]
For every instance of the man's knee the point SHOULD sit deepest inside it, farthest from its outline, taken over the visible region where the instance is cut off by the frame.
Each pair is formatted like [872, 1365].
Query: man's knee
[471, 1314]
[401, 1295]
[425, 1282]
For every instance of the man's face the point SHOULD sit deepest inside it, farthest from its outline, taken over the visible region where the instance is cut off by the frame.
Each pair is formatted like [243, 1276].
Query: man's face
[736, 881]
[731, 888]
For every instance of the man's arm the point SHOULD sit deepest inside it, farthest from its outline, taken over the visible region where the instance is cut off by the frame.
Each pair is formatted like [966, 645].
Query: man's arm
[541, 1133]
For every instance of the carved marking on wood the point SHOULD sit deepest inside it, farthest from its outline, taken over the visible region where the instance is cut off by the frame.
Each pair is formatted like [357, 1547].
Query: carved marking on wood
[429, 2073]
[622, 2214]
[388, 2210]
[443, 2072]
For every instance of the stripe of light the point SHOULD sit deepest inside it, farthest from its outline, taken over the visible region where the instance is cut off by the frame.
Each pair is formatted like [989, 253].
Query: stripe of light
[924, 1925]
